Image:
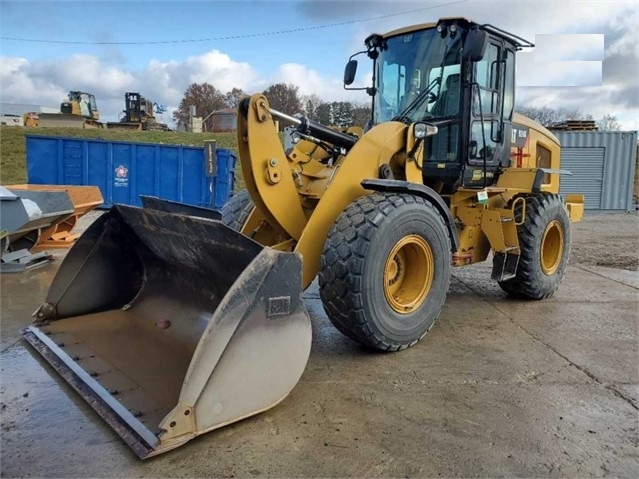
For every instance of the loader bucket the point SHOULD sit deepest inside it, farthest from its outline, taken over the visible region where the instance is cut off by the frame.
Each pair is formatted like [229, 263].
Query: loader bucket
[168, 206]
[83, 198]
[170, 325]
[32, 213]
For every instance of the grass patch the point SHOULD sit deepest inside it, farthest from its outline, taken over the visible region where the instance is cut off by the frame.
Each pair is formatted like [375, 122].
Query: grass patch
[13, 163]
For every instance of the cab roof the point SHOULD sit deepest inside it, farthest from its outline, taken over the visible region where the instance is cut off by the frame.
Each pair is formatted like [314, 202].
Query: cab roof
[517, 41]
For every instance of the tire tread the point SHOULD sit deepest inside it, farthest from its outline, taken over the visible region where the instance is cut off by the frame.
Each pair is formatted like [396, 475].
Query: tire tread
[342, 266]
[525, 284]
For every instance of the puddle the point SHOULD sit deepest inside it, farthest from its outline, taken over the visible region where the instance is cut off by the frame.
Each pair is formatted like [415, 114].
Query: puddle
[37, 411]
[20, 295]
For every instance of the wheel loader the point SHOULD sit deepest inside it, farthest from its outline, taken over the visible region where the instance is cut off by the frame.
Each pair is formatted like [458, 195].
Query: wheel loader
[171, 322]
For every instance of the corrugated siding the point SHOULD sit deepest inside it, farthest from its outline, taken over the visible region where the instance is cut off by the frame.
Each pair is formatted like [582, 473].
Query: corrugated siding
[619, 163]
[124, 170]
[587, 168]
[224, 122]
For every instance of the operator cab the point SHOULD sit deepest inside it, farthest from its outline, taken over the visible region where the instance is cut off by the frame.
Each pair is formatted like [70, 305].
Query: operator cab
[458, 76]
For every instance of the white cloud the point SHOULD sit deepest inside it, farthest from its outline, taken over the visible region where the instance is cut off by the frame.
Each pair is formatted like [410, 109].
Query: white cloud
[18, 86]
[616, 20]
[47, 82]
[212, 67]
[311, 81]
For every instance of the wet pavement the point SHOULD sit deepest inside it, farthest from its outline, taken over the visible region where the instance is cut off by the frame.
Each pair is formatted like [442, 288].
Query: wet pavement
[497, 388]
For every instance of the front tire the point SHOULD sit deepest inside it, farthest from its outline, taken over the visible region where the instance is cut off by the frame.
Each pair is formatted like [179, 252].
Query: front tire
[544, 241]
[237, 209]
[385, 270]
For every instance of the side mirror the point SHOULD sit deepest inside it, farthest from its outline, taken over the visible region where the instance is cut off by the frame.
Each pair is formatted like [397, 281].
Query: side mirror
[475, 46]
[349, 72]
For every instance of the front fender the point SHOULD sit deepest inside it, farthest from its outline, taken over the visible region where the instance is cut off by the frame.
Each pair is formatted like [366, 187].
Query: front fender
[376, 147]
[396, 186]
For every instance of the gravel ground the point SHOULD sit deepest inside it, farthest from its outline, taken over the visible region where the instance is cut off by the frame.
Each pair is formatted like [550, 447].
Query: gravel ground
[607, 239]
[498, 388]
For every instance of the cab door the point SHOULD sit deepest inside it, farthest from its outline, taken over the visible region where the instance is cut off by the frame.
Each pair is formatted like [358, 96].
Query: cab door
[491, 115]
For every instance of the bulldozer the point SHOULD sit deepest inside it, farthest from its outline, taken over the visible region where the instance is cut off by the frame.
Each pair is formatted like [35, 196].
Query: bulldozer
[138, 114]
[79, 110]
[172, 323]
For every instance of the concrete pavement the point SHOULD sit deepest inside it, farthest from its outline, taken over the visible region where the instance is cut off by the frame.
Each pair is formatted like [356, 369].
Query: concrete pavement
[497, 388]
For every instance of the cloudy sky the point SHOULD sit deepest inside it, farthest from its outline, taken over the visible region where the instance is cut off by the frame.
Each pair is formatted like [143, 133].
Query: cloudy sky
[587, 52]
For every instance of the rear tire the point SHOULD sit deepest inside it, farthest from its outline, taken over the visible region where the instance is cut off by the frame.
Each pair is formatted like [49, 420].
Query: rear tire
[544, 241]
[236, 211]
[385, 270]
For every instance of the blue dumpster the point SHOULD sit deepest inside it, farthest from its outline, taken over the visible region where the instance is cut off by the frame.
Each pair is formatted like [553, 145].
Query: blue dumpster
[200, 176]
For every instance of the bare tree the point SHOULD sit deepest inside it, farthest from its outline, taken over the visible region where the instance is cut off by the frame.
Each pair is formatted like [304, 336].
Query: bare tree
[342, 113]
[362, 114]
[285, 98]
[549, 116]
[323, 113]
[608, 123]
[234, 96]
[206, 99]
[310, 104]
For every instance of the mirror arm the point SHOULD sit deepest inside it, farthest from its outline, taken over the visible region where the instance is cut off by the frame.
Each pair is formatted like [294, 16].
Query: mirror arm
[355, 54]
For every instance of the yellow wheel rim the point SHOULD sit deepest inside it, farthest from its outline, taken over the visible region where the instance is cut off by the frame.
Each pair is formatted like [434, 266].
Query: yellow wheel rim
[552, 247]
[408, 274]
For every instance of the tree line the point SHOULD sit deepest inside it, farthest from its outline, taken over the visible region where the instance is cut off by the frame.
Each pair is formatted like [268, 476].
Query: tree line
[551, 116]
[281, 96]
[285, 97]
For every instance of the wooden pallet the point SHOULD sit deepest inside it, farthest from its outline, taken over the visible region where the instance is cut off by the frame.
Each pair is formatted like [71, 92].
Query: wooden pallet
[575, 125]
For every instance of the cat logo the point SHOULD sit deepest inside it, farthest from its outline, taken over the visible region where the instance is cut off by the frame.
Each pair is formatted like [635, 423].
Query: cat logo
[518, 136]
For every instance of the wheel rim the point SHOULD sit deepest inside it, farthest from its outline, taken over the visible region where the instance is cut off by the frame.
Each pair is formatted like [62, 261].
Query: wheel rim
[552, 247]
[408, 274]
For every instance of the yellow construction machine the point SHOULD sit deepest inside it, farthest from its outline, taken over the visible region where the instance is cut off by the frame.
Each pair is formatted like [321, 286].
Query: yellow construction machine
[138, 114]
[79, 110]
[174, 323]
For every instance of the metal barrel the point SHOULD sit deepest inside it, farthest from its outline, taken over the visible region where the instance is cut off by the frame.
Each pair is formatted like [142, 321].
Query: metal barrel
[172, 325]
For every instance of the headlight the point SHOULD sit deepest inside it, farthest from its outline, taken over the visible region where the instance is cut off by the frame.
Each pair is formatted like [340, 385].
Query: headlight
[422, 130]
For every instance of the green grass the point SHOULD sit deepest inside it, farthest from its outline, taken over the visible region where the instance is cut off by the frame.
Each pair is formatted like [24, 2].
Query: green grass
[13, 163]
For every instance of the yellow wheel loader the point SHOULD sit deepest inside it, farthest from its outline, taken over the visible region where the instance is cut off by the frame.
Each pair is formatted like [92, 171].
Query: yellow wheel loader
[172, 322]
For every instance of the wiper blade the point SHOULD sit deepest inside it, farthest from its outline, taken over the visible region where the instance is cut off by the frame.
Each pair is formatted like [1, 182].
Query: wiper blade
[424, 94]
[421, 97]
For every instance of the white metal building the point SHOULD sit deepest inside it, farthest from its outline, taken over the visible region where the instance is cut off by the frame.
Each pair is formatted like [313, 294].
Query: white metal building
[20, 109]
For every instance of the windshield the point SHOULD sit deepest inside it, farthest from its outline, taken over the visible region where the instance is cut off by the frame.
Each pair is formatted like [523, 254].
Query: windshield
[420, 70]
